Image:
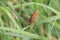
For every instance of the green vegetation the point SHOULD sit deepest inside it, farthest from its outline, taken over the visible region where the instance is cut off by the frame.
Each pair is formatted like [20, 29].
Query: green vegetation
[15, 15]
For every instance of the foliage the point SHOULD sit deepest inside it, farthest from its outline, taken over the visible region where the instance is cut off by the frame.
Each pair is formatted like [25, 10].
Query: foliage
[15, 14]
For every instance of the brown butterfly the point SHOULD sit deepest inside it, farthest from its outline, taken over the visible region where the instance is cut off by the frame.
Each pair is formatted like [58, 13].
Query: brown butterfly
[34, 17]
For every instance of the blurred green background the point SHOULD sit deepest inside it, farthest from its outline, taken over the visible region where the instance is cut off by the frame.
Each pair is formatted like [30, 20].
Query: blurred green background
[15, 15]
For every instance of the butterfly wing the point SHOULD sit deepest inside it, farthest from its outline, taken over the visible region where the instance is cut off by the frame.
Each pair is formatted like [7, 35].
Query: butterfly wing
[34, 17]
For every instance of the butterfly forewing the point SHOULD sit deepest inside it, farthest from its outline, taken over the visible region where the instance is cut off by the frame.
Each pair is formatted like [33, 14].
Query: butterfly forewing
[34, 17]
